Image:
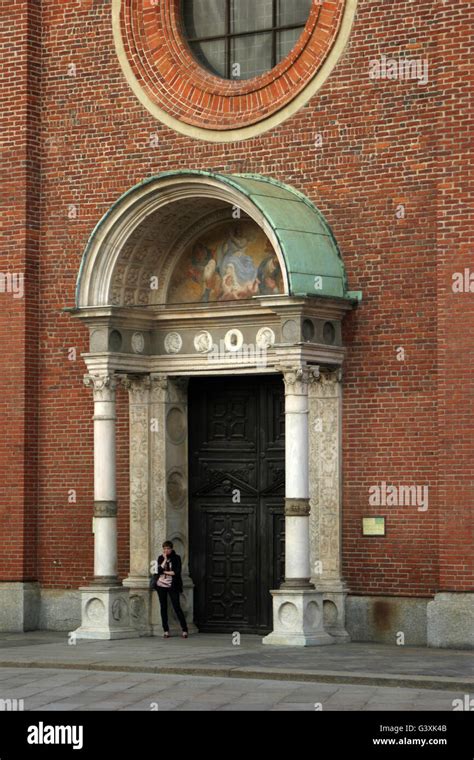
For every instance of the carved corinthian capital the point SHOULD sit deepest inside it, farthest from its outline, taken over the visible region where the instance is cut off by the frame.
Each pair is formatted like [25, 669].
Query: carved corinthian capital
[138, 387]
[297, 379]
[328, 384]
[103, 386]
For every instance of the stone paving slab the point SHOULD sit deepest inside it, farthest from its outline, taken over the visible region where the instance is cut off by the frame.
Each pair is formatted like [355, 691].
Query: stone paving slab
[212, 655]
[145, 692]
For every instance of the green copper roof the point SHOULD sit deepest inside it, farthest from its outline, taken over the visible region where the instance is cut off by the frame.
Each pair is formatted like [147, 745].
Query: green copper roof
[312, 257]
[314, 263]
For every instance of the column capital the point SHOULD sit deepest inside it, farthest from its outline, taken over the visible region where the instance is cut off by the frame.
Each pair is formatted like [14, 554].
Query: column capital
[138, 387]
[159, 381]
[298, 378]
[328, 383]
[103, 386]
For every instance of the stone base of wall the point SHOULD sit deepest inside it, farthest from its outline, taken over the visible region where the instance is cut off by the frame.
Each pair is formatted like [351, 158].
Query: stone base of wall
[447, 621]
[382, 619]
[451, 621]
[60, 610]
[19, 606]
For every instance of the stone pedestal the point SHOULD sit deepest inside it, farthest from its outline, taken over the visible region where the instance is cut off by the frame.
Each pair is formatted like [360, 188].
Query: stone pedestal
[334, 609]
[105, 614]
[298, 619]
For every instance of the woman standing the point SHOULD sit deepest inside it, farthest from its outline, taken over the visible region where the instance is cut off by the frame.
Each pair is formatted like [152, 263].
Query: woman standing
[170, 584]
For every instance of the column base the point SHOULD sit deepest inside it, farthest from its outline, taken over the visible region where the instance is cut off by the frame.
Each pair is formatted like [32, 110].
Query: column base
[105, 614]
[334, 593]
[298, 619]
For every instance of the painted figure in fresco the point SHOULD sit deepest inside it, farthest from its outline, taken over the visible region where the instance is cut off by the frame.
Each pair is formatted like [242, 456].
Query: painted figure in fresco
[237, 269]
[269, 274]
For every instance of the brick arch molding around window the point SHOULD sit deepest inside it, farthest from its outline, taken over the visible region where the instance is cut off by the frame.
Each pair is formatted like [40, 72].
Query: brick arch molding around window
[176, 88]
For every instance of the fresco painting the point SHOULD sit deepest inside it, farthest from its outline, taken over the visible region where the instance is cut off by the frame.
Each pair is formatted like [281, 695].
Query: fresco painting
[234, 261]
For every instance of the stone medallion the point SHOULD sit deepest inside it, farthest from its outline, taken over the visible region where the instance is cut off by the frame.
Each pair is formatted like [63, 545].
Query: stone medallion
[265, 337]
[203, 342]
[233, 340]
[138, 343]
[173, 343]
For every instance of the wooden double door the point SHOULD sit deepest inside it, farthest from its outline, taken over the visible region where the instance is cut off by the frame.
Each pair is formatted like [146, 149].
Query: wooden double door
[236, 509]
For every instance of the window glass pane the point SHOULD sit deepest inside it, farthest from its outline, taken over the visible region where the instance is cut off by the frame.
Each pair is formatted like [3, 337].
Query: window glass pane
[211, 55]
[253, 53]
[204, 18]
[286, 41]
[251, 15]
[293, 12]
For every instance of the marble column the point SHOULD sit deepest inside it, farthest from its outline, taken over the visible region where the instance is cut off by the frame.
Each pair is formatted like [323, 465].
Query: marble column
[105, 604]
[325, 461]
[297, 607]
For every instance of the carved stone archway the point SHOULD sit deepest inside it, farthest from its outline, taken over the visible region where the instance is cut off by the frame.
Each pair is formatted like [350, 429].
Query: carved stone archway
[152, 346]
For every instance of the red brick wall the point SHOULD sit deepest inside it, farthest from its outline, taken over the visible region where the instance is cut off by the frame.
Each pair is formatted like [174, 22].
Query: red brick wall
[384, 143]
[19, 257]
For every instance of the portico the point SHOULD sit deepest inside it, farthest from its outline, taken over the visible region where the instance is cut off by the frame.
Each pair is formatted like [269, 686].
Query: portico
[144, 337]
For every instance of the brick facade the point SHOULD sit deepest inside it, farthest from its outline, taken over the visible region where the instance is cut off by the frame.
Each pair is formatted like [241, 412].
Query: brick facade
[386, 161]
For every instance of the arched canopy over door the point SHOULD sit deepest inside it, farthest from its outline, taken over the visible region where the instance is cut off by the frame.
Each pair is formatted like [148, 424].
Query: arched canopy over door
[144, 232]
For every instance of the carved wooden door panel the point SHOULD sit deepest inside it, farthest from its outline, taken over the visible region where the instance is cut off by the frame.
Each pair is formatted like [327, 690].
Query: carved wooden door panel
[236, 511]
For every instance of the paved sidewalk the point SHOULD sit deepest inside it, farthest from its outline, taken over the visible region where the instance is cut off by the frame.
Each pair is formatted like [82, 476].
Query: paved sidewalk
[55, 689]
[210, 655]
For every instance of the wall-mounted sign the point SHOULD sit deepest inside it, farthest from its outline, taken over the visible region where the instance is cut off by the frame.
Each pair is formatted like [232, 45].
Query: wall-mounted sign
[373, 526]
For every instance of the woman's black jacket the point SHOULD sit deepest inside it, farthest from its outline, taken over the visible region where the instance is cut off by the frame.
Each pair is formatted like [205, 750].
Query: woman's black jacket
[175, 559]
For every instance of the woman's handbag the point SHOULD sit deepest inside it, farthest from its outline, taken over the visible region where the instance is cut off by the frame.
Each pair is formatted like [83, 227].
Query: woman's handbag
[153, 580]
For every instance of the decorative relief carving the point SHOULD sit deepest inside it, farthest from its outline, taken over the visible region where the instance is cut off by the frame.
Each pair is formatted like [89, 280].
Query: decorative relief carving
[297, 379]
[139, 436]
[103, 386]
[138, 342]
[288, 614]
[95, 610]
[138, 387]
[119, 609]
[173, 343]
[324, 464]
[137, 608]
[265, 337]
[203, 342]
